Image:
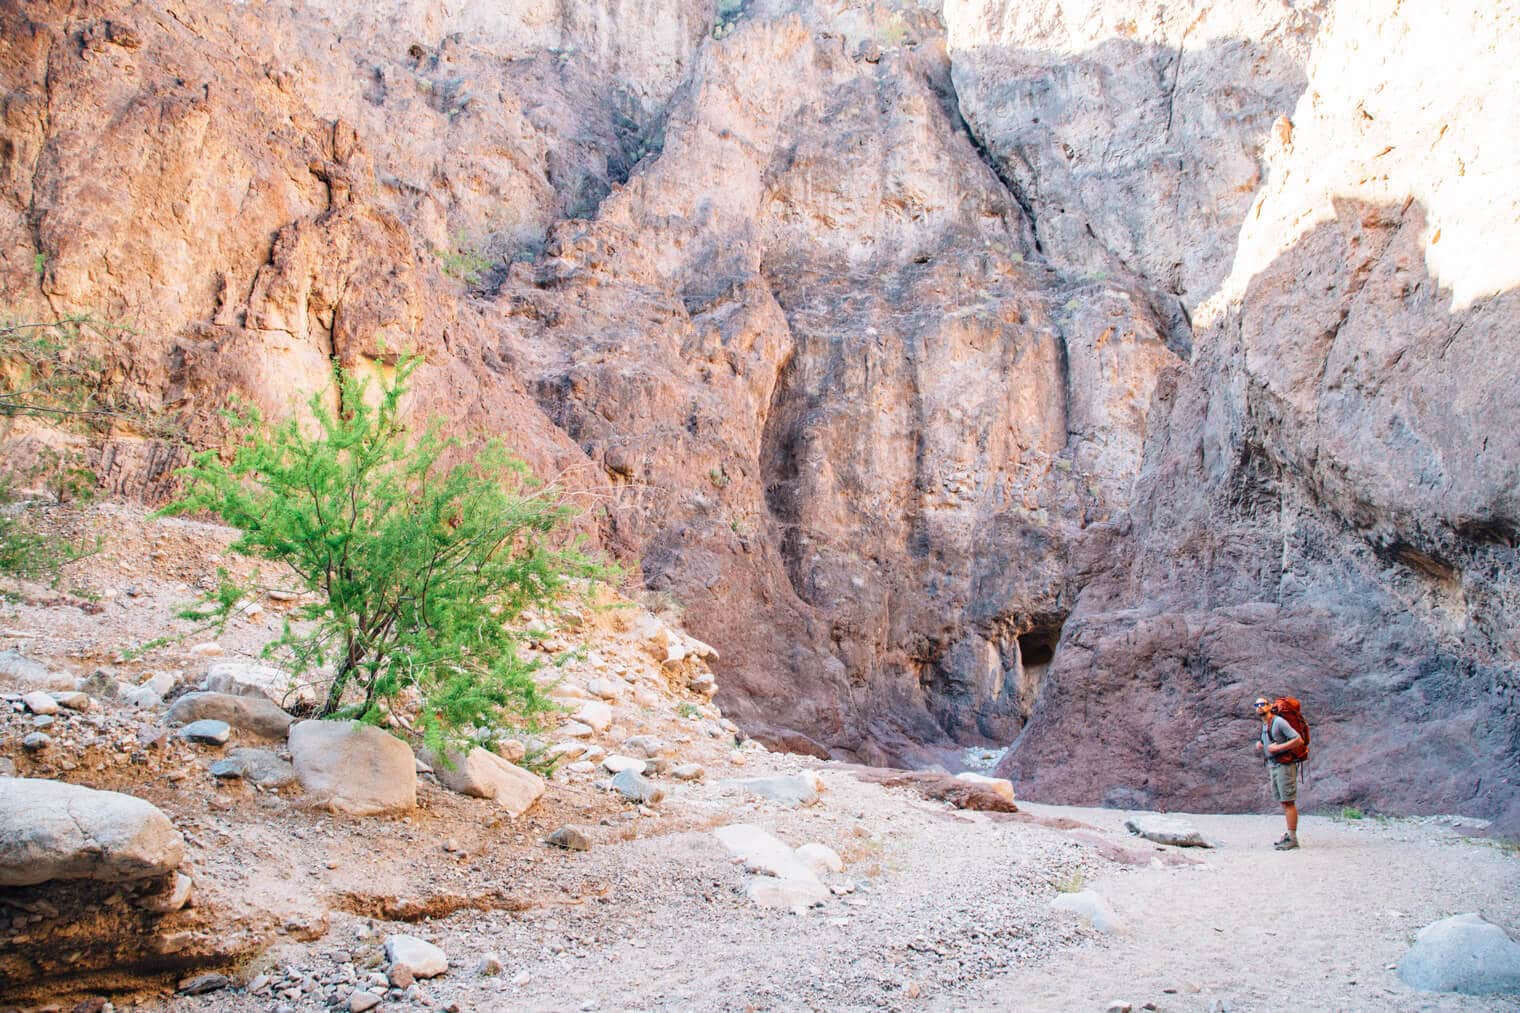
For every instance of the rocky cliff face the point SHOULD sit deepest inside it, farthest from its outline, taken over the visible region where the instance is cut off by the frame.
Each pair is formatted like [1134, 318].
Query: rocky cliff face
[855, 322]
[1328, 501]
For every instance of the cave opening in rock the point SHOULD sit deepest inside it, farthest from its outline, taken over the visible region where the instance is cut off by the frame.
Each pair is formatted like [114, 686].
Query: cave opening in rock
[1037, 649]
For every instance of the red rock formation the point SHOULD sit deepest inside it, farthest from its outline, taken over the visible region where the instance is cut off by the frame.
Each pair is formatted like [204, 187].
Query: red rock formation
[848, 322]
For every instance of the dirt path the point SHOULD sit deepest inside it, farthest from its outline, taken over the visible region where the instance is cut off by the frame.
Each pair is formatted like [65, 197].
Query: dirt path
[1255, 929]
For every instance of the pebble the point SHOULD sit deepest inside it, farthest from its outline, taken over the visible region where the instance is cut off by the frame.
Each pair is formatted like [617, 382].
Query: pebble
[571, 838]
[360, 1001]
[210, 649]
[576, 729]
[489, 965]
[521, 978]
[43, 721]
[689, 772]
[36, 741]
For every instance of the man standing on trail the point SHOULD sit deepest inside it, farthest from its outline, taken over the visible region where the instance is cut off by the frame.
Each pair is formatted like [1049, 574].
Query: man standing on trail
[1279, 737]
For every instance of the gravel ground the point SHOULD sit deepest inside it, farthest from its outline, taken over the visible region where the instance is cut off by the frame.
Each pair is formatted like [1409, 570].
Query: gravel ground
[935, 908]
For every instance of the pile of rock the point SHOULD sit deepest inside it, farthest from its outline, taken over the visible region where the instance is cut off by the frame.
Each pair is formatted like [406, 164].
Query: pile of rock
[784, 878]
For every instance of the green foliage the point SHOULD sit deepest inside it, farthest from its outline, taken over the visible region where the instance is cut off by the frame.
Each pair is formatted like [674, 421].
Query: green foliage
[26, 549]
[420, 567]
[688, 710]
[718, 477]
[1351, 813]
[465, 262]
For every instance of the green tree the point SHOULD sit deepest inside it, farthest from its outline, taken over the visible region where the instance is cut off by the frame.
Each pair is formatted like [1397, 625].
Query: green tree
[421, 562]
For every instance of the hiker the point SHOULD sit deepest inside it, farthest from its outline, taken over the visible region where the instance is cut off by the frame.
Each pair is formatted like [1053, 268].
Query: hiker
[1284, 748]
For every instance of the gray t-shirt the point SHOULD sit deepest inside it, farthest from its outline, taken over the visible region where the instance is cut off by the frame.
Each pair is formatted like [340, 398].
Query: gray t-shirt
[1278, 731]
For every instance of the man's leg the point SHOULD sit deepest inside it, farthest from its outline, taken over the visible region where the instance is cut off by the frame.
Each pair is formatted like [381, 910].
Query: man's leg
[1290, 812]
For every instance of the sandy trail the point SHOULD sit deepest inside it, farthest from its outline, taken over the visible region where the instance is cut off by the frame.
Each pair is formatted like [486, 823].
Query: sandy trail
[1255, 929]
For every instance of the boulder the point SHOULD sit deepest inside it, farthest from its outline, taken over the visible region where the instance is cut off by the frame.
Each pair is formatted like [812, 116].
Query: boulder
[617, 763]
[72, 699]
[645, 746]
[604, 689]
[417, 957]
[258, 766]
[594, 714]
[635, 788]
[483, 774]
[1167, 830]
[790, 790]
[19, 670]
[999, 785]
[763, 852]
[175, 895]
[571, 838]
[354, 768]
[795, 895]
[53, 830]
[255, 715]
[820, 858]
[1091, 907]
[1463, 953]
[207, 732]
[244, 678]
[39, 702]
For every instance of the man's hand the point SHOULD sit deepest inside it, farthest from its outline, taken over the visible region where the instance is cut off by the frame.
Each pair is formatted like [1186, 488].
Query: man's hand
[1258, 746]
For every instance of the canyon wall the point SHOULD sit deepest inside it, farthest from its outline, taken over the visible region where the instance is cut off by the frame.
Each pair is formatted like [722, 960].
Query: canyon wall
[943, 363]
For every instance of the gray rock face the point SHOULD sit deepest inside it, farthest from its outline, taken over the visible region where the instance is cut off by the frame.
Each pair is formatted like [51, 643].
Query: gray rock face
[354, 769]
[52, 830]
[1463, 953]
[483, 774]
[253, 714]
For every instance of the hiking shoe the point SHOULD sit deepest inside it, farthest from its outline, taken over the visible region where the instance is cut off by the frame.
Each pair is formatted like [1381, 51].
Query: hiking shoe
[1284, 839]
[1286, 844]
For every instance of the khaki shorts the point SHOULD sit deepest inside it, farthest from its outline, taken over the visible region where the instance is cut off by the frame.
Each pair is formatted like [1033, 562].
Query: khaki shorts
[1284, 781]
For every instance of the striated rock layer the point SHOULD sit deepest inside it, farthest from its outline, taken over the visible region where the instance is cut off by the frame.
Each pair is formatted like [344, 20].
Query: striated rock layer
[856, 324]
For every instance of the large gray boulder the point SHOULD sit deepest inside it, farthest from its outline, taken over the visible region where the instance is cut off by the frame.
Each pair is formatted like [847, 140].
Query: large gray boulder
[1170, 830]
[483, 774]
[1463, 953]
[255, 715]
[353, 768]
[53, 830]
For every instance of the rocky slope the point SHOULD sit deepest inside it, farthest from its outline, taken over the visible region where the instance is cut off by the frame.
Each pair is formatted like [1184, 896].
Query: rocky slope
[857, 322]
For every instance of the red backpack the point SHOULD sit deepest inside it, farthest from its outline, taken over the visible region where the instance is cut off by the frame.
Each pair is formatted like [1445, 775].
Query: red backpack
[1289, 709]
